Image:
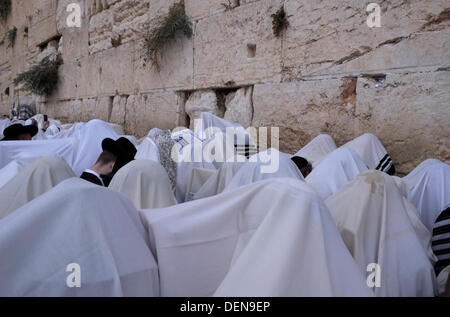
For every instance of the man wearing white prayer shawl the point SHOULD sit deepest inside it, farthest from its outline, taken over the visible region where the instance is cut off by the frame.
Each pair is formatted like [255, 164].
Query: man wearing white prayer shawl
[13, 168]
[317, 149]
[145, 183]
[217, 182]
[431, 191]
[265, 165]
[337, 169]
[413, 178]
[271, 238]
[77, 234]
[373, 217]
[372, 152]
[35, 180]
[188, 153]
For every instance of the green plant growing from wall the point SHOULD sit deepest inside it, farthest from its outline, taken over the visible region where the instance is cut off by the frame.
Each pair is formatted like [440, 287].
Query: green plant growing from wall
[279, 22]
[42, 78]
[12, 34]
[5, 9]
[176, 21]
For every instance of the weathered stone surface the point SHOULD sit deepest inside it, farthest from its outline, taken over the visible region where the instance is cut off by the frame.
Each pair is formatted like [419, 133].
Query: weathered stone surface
[323, 37]
[302, 110]
[239, 107]
[237, 47]
[203, 101]
[159, 109]
[410, 114]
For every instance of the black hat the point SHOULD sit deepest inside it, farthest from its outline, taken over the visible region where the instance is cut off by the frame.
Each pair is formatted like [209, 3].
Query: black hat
[122, 148]
[14, 130]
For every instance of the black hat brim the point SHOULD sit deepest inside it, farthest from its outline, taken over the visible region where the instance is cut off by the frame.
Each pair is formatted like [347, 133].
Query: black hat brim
[13, 131]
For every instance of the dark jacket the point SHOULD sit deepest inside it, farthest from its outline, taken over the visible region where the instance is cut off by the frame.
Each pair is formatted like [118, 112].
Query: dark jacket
[91, 178]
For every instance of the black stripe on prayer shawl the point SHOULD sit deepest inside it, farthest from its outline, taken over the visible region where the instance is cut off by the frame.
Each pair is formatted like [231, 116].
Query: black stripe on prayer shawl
[441, 252]
[444, 215]
[387, 165]
[441, 230]
[440, 241]
[382, 162]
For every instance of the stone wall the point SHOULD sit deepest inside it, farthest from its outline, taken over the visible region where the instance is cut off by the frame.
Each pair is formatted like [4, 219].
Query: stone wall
[328, 72]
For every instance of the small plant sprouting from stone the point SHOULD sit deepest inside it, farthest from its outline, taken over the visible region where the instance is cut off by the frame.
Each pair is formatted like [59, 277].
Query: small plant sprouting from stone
[279, 22]
[5, 9]
[176, 21]
[12, 34]
[42, 78]
[231, 4]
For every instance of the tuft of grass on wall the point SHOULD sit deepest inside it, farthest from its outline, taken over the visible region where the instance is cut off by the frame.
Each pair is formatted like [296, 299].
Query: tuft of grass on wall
[279, 22]
[12, 34]
[42, 78]
[176, 21]
[5, 9]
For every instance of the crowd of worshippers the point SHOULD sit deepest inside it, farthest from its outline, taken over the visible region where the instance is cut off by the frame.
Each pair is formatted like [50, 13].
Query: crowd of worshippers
[354, 185]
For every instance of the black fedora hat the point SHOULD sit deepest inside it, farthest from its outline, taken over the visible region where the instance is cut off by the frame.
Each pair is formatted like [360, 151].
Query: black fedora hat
[122, 148]
[14, 130]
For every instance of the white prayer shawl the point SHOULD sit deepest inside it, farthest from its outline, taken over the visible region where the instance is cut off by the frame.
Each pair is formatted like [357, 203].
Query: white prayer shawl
[258, 168]
[317, 149]
[17, 150]
[431, 194]
[208, 122]
[337, 169]
[80, 151]
[199, 177]
[15, 167]
[35, 180]
[219, 180]
[277, 232]
[372, 215]
[145, 183]
[190, 156]
[76, 223]
[413, 178]
[371, 151]
[148, 150]
[90, 144]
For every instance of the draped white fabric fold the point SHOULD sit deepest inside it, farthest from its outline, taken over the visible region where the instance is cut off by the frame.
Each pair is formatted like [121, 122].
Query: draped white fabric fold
[317, 149]
[36, 179]
[76, 223]
[379, 226]
[431, 191]
[276, 235]
[264, 165]
[144, 182]
[337, 169]
[371, 151]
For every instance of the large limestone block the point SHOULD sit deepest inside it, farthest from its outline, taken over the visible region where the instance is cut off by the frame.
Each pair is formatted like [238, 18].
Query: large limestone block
[175, 68]
[76, 40]
[197, 9]
[409, 113]
[203, 101]
[239, 107]
[302, 110]
[79, 78]
[118, 109]
[42, 31]
[116, 70]
[159, 109]
[103, 108]
[100, 31]
[237, 47]
[323, 37]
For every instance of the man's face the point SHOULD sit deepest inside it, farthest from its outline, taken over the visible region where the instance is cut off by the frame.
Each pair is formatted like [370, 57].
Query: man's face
[24, 137]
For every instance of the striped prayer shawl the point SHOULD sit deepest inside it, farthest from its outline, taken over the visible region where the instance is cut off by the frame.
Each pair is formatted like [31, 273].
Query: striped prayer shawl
[441, 240]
